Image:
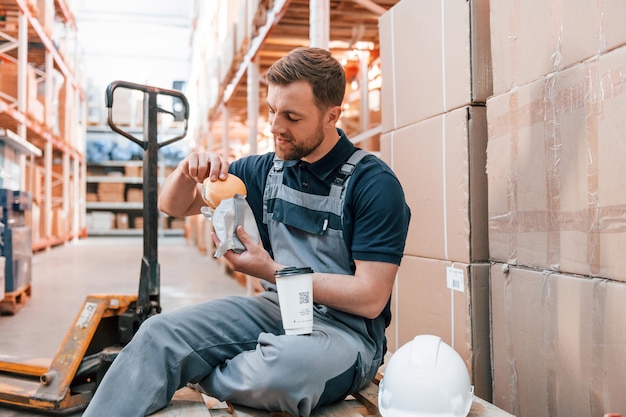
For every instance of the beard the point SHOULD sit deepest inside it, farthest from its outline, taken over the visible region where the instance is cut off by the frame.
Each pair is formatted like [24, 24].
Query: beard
[298, 149]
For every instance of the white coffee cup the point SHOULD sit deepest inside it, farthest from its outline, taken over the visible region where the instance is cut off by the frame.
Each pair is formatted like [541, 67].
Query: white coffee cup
[295, 295]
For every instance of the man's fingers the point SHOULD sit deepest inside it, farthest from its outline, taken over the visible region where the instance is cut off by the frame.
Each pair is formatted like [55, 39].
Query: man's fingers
[218, 168]
[215, 239]
[243, 235]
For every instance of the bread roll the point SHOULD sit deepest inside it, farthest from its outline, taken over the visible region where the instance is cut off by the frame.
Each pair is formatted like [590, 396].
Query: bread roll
[213, 192]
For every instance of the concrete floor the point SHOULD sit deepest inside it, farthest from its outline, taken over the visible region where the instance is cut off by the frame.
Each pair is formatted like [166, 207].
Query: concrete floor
[63, 276]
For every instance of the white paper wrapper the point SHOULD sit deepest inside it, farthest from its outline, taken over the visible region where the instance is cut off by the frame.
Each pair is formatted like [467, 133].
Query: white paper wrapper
[229, 214]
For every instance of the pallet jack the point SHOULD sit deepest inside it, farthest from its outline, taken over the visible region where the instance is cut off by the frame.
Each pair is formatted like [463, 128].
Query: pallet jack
[105, 322]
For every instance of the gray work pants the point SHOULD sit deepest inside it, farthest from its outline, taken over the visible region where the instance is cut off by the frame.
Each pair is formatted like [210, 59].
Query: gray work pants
[236, 349]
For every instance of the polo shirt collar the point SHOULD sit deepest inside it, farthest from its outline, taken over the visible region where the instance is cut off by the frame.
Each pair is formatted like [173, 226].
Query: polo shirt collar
[333, 159]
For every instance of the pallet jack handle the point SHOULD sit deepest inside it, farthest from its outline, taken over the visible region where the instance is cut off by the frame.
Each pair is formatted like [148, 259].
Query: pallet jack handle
[148, 297]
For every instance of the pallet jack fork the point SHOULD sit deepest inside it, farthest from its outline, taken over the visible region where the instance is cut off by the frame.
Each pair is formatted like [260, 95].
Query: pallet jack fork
[105, 322]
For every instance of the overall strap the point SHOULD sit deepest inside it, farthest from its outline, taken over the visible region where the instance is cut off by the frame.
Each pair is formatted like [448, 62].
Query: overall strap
[275, 174]
[346, 170]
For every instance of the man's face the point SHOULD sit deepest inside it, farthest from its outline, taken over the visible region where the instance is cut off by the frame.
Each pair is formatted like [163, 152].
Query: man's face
[295, 121]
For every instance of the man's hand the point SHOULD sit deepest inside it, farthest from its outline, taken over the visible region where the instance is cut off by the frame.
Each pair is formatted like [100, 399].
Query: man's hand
[254, 261]
[179, 195]
[365, 293]
[199, 166]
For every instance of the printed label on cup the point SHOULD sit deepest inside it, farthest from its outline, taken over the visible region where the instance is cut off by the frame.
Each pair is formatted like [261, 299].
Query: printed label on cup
[295, 295]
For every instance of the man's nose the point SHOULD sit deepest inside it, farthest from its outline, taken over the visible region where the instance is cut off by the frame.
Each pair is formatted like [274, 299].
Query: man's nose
[276, 127]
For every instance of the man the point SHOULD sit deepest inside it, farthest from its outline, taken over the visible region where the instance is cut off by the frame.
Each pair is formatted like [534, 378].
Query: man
[314, 206]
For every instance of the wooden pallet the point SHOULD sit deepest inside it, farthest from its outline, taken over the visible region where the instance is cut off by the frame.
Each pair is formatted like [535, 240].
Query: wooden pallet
[190, 403]
[13, 301]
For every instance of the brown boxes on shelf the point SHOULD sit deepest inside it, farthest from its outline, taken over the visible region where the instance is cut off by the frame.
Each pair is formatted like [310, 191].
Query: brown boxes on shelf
[133, 171]
[121, 221]
[60, 225]
[34, 179]
[8, 78]
[8, 84]
[177, 223]
[100, 221]
[111, 191]
[36, 223]
[134, 195]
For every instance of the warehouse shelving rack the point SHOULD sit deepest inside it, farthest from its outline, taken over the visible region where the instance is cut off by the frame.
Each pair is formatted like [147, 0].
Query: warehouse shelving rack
[45, 111]
[129, 179]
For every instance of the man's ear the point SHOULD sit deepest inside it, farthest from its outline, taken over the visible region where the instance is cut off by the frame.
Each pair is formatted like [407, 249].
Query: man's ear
[333, 114]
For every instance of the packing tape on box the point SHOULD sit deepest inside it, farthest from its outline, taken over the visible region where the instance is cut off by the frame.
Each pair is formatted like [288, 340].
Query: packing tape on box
[444, 184]
[559, 98]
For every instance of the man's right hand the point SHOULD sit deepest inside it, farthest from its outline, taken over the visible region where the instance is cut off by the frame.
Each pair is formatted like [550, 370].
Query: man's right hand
[199, 166]
[180, 194]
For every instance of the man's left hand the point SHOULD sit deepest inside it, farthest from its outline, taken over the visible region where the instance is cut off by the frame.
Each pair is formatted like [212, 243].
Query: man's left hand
[254, 261]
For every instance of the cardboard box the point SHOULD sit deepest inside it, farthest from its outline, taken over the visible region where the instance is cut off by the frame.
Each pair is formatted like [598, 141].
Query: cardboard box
[36, 110]
[111, 191]
[133, 170]
[533, 38]
[555, 166]
[100, 221]
[435, 57]
[134, 195]
[8, 78]
[8, 81]
[59, 222]
[441, 165]
[36, 221]
[449, 300]
[558, 343]
[34, 179]
[121, 221]
[177, 223]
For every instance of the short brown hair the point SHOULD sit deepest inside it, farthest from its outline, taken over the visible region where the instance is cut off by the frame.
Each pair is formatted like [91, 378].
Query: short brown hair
[315, 66]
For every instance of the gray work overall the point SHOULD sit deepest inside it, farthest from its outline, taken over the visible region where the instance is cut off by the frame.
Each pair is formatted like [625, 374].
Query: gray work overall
[235, 347]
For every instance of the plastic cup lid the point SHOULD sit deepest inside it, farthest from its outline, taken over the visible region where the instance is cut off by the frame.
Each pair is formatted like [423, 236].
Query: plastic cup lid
[293, 270]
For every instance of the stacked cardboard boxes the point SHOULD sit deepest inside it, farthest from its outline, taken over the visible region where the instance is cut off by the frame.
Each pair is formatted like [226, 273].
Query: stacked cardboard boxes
[134, 195]
[34, 180]
[436, 79]
[557, 207]
[8, 86]
[100, 221]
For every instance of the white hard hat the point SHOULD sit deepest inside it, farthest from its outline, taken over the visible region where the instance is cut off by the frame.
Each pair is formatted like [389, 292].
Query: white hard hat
[425, 378]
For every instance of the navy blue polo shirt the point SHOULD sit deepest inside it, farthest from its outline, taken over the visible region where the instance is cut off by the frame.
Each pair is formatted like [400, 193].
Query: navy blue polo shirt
[376, 216]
